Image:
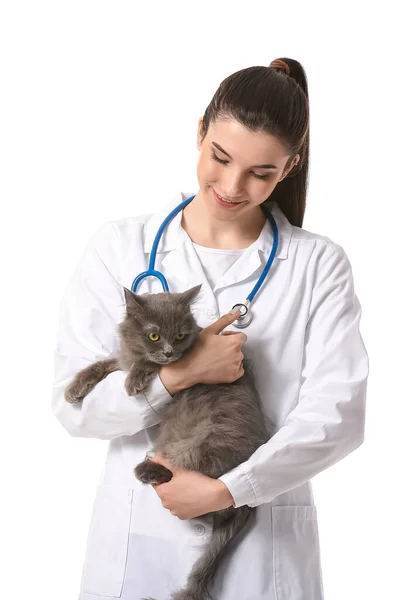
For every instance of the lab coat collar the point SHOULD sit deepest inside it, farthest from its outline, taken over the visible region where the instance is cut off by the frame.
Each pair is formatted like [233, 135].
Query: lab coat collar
[174, 235]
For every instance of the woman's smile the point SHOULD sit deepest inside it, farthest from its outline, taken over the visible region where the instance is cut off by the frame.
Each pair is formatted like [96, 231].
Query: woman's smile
[225, 204]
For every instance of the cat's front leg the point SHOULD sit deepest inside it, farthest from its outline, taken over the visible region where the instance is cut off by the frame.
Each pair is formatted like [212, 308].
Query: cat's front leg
[82, 384]
[88, 378]
[137, 380]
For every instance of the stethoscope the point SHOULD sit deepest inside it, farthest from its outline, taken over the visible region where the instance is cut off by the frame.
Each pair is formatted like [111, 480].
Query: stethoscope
[245, 316]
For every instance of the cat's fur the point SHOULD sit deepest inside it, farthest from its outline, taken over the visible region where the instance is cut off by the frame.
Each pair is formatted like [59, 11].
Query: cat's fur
[210, 428]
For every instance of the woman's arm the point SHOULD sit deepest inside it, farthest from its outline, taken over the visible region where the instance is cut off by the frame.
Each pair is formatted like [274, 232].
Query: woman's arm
[328, 420]
[92, 307]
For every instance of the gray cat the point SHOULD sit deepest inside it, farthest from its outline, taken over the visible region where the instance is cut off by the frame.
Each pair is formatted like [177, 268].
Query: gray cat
[210, 428]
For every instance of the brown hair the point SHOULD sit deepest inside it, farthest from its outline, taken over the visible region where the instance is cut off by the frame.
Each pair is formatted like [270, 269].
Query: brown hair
[272, 100]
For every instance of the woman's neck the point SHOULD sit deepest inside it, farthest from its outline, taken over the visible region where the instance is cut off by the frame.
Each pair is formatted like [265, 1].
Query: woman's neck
[214, 233]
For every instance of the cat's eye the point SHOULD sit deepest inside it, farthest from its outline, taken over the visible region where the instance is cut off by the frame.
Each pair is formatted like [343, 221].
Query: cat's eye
[179, 336]
[153, 337]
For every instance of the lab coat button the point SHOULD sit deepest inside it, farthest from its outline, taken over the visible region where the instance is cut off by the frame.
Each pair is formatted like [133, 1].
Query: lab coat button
[199, 529]
[211, 314]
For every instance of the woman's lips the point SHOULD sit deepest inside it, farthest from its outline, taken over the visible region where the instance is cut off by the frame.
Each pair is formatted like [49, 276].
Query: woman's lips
[226, 204]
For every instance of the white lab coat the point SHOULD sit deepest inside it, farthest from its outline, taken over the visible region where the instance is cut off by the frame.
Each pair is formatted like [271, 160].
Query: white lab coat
[311, 370]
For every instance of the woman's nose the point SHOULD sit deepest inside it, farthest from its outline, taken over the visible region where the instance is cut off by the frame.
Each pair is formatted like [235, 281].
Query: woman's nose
[234, 188]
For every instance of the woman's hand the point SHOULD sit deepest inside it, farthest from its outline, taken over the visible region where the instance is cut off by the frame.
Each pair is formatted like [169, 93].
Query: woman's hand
[214, 358]
[190, 494]
[217, 358]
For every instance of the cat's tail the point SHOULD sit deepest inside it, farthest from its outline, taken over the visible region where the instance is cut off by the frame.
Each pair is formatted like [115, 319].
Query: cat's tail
[227, 524]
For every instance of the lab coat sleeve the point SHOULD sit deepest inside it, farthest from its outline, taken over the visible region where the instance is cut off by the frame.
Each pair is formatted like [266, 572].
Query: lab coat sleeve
[328, 420]
[91, 308]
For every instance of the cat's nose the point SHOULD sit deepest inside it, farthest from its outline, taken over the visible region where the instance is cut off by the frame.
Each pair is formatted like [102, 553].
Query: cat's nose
[168, 354]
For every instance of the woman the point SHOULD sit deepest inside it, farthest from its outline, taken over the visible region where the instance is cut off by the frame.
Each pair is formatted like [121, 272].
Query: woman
[309, 359]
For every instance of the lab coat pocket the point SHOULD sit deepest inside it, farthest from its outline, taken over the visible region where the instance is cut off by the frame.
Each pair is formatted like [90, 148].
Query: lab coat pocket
[296, 557]
[107, 545]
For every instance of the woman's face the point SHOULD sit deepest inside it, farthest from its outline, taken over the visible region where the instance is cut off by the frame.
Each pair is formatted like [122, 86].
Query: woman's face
[239, 178]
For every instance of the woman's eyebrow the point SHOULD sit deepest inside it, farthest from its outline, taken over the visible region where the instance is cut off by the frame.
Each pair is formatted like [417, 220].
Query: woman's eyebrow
[252, 167]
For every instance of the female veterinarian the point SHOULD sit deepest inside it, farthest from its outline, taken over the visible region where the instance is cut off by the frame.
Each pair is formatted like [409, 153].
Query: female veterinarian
[301, 333]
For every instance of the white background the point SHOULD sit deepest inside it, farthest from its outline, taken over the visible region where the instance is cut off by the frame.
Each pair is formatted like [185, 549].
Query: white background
[99, 109]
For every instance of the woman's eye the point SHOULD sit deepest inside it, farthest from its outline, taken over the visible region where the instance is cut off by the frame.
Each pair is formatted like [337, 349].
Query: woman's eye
[225, 162]
[180, 336]
[153, 337]
[216, 158]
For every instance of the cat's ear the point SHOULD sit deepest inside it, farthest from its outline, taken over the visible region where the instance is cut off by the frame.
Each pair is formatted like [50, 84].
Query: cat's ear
[132, 300]
[190, 294]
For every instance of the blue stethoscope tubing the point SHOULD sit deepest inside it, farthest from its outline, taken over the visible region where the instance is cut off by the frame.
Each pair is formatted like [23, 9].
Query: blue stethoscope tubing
[245, 316]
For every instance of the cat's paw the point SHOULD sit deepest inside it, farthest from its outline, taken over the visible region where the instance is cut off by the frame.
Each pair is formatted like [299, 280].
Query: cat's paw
[133, 387]
[135, 384]
[77, 390]
[150, 472]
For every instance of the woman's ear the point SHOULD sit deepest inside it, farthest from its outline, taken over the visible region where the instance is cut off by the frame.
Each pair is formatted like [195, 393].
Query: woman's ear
[199, 133]
[294, 163]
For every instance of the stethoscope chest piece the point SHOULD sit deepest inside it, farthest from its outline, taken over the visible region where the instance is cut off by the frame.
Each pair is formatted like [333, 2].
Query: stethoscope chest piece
[245, 316]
